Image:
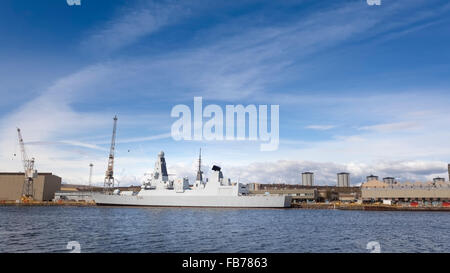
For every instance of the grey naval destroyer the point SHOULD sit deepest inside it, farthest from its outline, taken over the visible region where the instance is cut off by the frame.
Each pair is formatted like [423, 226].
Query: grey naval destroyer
[158, 190]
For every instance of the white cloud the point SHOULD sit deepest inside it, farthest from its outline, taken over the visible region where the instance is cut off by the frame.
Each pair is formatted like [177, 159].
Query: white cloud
[147, 138]
[321, 127]
[134, 24]
[325, 173]
[390, 127]
[230, 68]
[74, 143]
[242, 63]
[364, 148]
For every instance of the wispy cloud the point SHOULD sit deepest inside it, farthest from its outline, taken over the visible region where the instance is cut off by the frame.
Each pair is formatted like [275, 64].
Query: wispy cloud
[67, 142]
[242, 63]
[239, 64]
[133, 24]
[320, 127]
[144, 139]
[389, 127]
[289, 171]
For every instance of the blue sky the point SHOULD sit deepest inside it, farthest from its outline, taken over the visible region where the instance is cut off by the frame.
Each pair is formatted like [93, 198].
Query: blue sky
[361, 88]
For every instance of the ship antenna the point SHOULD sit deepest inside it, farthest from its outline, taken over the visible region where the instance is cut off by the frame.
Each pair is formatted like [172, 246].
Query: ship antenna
[199, 172]
[200, 160]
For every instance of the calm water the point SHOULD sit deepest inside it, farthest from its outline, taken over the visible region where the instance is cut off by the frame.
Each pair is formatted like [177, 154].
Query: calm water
[105, 229]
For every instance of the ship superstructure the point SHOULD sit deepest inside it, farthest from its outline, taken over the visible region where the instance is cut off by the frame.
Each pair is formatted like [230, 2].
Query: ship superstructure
[216, 191]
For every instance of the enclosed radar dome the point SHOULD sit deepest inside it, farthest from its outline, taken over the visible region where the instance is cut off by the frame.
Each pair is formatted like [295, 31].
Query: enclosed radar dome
[161, 154]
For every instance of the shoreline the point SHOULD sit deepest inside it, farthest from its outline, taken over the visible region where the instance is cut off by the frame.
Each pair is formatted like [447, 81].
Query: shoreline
[317, 206]
[47, 203]
[367, 207]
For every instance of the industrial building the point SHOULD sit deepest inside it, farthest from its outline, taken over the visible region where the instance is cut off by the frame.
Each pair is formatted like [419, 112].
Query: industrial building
[79, 193]
[70, 192]
[308, 192]
[44, 186]
[302, 193]
[299, 194]
[404, 192]
[78, 196]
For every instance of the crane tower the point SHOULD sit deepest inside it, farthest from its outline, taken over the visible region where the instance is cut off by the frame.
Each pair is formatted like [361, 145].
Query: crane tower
[109, 177]
[29, 171]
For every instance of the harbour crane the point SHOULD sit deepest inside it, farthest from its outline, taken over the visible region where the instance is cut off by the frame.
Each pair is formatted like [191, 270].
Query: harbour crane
[109, 177]
[29, 171]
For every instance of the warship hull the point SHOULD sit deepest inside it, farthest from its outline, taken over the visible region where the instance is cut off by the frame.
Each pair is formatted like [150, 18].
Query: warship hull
[256, 201]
